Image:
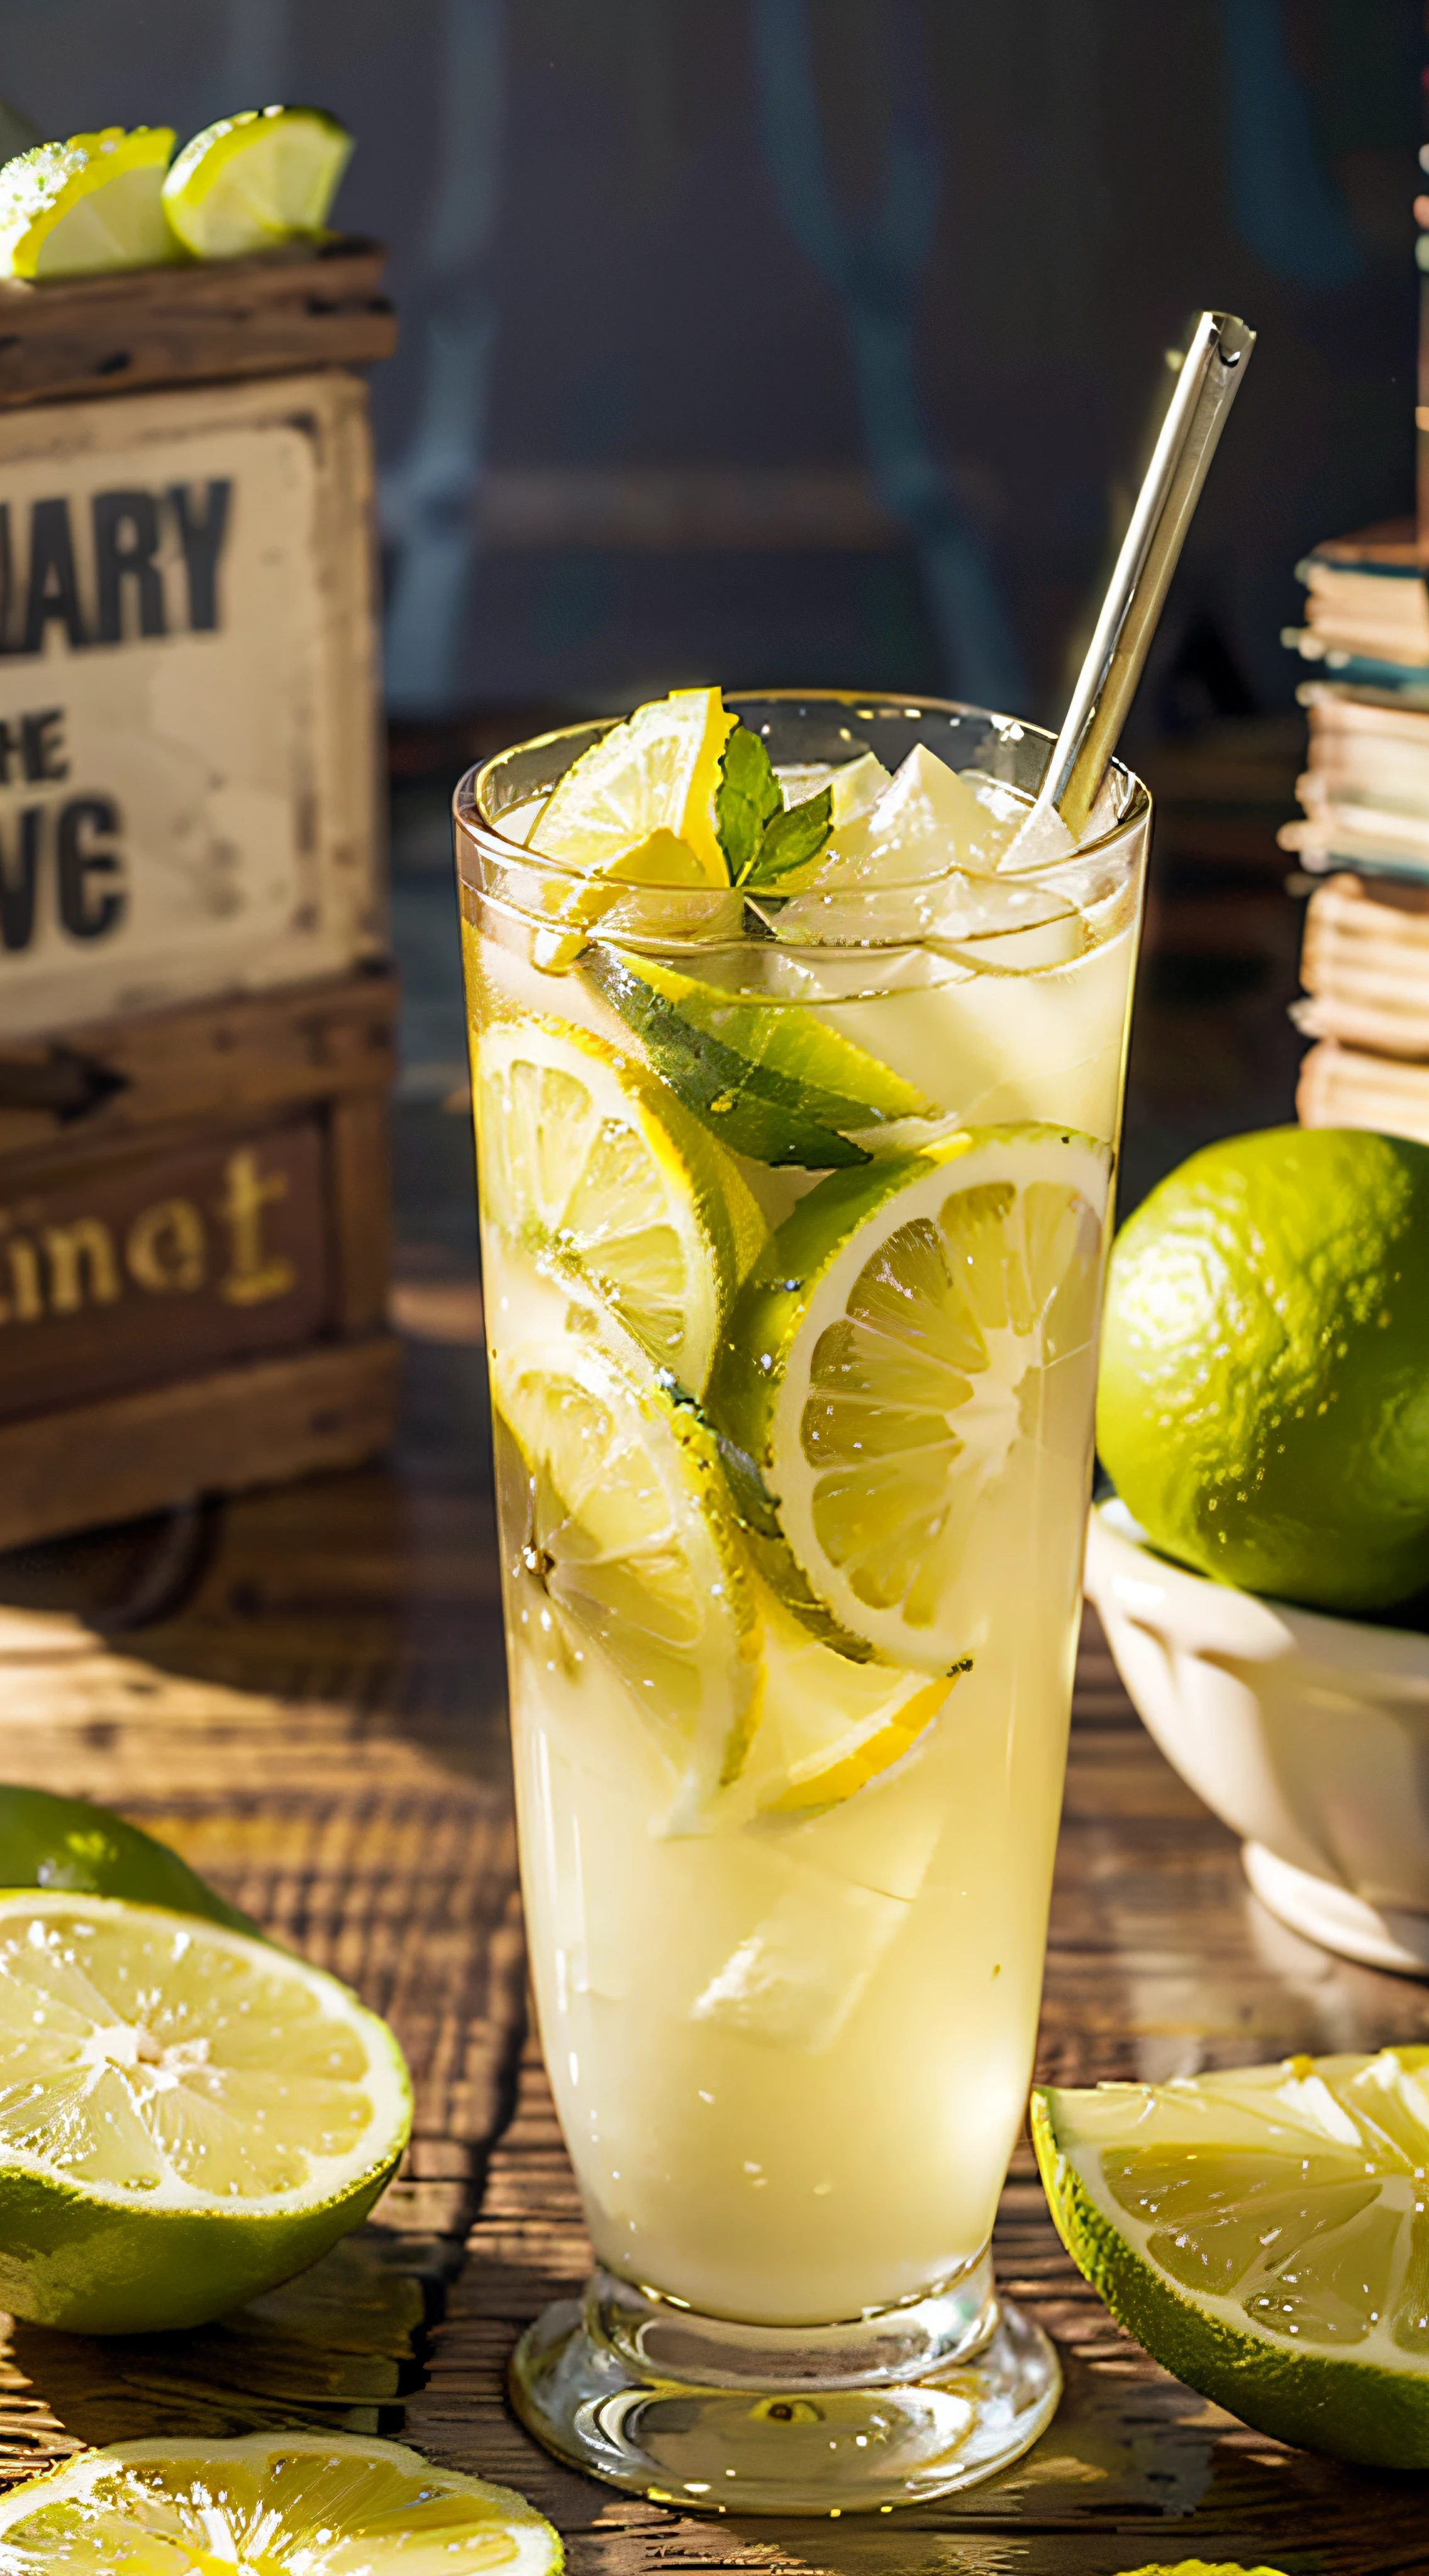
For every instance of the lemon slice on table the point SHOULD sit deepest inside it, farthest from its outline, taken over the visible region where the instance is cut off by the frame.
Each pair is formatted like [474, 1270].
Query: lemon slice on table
[53, 1842]
[74, 209]
[638, 806]
[187, 2116]
[251, 181]
[771, 1081]
[590, 1166]
[627, 1547]
[285, 2504]
[1265, 2234]
[896, 1351]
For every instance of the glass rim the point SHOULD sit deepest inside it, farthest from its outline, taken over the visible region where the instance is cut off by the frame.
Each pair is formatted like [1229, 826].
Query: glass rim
[472, 823]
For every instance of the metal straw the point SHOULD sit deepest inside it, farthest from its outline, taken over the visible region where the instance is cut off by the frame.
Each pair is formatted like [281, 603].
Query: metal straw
[1212, 369]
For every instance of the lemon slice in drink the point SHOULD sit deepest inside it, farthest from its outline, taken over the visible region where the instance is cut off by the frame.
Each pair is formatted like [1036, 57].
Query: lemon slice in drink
[251, 181]
[626, 1548]
[639, 804]
[74, 209]
[590, 1166]
[896, 1351]
[187, 2116]
[285, 2504]
[827, 1726]
[1264, 2233]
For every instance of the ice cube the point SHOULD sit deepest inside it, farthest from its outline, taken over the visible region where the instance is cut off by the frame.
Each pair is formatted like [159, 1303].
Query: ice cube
[1041, 840]
[796, 1977]
[927, 820]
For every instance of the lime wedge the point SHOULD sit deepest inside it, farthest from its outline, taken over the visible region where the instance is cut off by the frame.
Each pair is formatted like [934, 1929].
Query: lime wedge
[187, 2117]
[271, 2504]
[769, 1079]
[639, 805]
[1264, 2233]
[626, 1544]
[251, 181]
[66, 1843]
[592, 1168]
[892, 1357]
[73, 209]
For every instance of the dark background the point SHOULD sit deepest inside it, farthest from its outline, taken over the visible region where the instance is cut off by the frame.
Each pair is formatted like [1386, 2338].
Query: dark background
[662, 263]
[775, 340]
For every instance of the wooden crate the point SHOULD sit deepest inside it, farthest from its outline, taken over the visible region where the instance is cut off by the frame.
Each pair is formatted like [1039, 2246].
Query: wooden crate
[194, 1252]
[193, 1062]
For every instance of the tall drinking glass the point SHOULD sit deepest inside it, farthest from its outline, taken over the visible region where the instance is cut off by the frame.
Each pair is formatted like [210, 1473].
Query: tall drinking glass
[793, 1219]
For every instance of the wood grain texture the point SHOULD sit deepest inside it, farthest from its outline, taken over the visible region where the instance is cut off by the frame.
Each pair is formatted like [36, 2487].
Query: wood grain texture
[320, 1728]
[282, 310]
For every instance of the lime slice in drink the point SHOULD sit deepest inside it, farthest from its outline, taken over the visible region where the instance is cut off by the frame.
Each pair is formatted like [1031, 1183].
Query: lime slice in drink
[593, 1169]
[66, 1843]
[893, 1354]
[271, 2504]
[187, 2117]
[638, 806]
[828, 1726]
[1264, 2233]
[74, 209]
[772, 1082]
[251, 181]
[627, 1545]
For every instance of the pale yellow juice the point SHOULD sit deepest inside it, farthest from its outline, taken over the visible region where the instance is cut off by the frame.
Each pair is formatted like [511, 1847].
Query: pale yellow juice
[789, 2011]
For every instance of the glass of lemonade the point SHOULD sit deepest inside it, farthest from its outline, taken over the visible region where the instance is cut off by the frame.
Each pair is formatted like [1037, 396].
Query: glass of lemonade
[798, 1045]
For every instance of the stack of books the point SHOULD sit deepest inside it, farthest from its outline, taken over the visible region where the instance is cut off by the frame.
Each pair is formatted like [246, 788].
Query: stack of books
[1365, 828]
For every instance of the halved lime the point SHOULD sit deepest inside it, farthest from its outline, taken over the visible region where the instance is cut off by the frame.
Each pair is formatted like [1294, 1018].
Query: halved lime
[770, 1079]
[93, 203]
[588, 1164]
[251, 181]
[1265, 2233]
[285, 2504]
[639, 804]
[187, 2117]
[67, 1843]
[892, 1355]
[625, 1543]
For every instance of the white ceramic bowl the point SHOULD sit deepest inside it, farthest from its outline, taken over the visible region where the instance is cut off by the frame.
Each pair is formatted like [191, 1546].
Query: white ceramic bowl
[1308, 1735]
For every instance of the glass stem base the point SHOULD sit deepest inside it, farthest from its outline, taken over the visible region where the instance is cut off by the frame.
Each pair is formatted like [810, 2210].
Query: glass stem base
[892, 2408]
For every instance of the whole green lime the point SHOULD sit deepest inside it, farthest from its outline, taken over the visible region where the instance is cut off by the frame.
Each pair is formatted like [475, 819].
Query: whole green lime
[1264, 1399]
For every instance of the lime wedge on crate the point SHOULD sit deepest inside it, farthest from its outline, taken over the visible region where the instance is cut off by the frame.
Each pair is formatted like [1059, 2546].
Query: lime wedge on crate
[888, 1355]
[187, 2116]
[252, 181]
[67, 1843]
[271, 2504]
[773, 1083]
[597, 1172]
[93, 203]
[628, 1546]
[1265, 2234]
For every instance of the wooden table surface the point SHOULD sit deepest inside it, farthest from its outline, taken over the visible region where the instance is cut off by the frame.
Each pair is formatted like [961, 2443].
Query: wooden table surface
[303, 1691]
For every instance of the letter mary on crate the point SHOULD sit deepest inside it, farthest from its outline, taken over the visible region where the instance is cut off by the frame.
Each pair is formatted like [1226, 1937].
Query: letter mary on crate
[195, 1010]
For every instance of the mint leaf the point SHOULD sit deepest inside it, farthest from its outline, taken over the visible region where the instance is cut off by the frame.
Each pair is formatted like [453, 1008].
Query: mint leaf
[793, 838]
[746, 801]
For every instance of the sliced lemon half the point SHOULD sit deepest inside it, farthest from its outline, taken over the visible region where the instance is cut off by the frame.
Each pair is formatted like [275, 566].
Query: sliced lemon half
[638, 806]
[1264, 2232]
[93, 203]
[619, 1540]
[187, 2116]
[251, 181]
[589, 1164]
[285, 2504]
[898, 1348]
